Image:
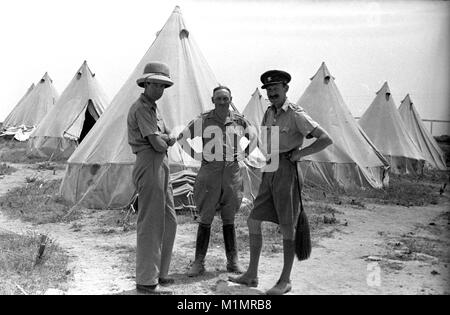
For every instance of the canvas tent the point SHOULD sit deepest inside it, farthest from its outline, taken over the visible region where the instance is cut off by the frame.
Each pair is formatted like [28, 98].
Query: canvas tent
[12, 116]
[33, 107]
[352, 160]
[254, 112]
[384, 126]
[99, 172]
[9, 127]
[65, 125]
[255, 109]
[428, 146]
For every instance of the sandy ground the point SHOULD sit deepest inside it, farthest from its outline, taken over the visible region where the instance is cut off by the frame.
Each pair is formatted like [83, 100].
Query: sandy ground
[366, 253]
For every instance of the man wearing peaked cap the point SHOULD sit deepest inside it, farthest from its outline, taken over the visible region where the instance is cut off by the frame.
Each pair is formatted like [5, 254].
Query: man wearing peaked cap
[279, 195]
[149, 139]
[274, 77]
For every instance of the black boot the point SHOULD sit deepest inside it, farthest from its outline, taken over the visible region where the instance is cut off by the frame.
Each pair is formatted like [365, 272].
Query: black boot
[229, 237]
[201, 247]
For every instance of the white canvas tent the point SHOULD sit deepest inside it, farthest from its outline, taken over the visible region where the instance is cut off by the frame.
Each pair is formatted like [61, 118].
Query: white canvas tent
[99, 172]
[33, 107]
[254, 112]
[15, 112]
[65, 125]
[384, 126]
[255, 109]
[428, 146]
[9, 126]
[352, 160]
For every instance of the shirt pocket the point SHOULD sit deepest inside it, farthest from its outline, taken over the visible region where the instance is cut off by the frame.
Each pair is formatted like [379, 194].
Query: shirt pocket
[284, 130]
[236, 130]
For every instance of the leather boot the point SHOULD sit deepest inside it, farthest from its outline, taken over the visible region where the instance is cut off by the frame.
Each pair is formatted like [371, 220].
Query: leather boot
[201, 247]
[229, 237]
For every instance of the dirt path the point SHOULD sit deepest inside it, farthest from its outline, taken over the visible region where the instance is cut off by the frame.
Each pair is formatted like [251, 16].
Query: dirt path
[369, 254]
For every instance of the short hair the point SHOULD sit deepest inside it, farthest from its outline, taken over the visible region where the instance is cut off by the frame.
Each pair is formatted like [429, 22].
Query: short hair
[222, 87]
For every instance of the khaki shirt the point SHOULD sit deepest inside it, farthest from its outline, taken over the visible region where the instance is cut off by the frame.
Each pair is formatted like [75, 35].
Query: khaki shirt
[143, 120]
[293, 123]
[209, 127]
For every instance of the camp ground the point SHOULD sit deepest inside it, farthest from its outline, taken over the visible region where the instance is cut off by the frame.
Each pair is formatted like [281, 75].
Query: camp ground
[377, 199]
[30, 111]
[68, 122]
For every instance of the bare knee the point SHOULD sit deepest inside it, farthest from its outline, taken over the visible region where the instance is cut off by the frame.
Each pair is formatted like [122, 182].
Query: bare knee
[288, 232]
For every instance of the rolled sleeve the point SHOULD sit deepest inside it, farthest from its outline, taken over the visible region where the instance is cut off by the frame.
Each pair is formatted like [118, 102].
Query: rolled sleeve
[304, 123]
[147, 122]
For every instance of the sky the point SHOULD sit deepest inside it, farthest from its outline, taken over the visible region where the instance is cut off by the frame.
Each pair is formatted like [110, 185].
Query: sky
[363, 43]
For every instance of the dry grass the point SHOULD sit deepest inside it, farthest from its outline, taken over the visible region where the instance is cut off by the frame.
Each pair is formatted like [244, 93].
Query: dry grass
[17, 153]
[13, 151]
[402, 191]
[405, 190]
[20, 270]
[427, 242]
[124, 220]
[444, 143]
[37, 201]
[50, 166]
[6, 169]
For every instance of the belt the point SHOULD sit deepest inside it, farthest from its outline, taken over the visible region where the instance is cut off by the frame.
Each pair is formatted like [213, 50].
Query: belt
[224, 161]
[284, 155]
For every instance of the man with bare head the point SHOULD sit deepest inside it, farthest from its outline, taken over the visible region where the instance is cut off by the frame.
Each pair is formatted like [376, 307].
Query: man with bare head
[218, 186]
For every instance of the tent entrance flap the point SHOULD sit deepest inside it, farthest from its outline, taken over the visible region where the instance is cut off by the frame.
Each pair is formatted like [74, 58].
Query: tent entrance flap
[90, 117]
[83, 123]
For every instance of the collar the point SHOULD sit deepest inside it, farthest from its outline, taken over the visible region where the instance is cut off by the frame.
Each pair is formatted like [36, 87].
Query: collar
[228, 120]
[147, 101]
[284, 107]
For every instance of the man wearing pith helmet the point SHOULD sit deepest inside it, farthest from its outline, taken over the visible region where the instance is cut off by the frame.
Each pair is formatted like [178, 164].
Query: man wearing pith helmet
[149, 139]
[279, 199]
